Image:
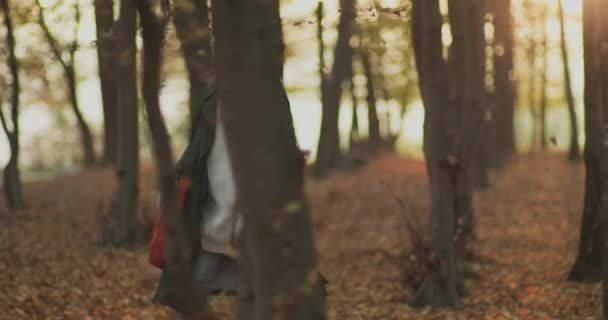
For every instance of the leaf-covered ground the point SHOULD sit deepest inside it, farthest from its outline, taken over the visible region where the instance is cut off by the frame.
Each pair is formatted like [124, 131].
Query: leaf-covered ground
[527, 228]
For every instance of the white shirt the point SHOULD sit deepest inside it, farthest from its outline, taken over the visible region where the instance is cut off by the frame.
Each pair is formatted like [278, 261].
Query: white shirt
[221, 224]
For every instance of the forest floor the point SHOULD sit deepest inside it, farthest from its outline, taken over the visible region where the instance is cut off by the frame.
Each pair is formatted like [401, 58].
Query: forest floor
[527, 229]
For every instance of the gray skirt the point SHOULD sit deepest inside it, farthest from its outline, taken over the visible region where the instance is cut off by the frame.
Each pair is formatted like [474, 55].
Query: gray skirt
[216, 273]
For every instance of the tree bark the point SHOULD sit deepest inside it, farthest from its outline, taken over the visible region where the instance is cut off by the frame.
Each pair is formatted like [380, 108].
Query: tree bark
[11, 175]
[85, 133]
[588, 263]
[447, 160]
[354, 129]
[69, 73]
[504, 80]
[321, 52]
[123, 230]
[543, 85]
[262, 146]
[574, 153]
[104, 22]
[532, 90]
[372, 109]
[191, 19]
[328, 150]
[176, 246]
[476, 91]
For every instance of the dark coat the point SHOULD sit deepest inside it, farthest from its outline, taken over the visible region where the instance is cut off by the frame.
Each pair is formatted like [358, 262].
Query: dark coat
[193, 163]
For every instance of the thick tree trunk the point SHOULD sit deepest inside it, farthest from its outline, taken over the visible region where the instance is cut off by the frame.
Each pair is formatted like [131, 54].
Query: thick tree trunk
[104, 21]
[588, 263]
[262, 146]
[476, 91]
[372, 109]
[191, 19]
[176, 246]
[574, 153]
[603, 206]
[123, 229]
[504, 80]
[467, 67]
[443, 286]
[11, 175]
[328, 150]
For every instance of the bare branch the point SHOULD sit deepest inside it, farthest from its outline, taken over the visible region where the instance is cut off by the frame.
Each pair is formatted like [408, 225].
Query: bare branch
[74, 44]
[410, 225]
[49, 36]
[3, 119]
[13, 66]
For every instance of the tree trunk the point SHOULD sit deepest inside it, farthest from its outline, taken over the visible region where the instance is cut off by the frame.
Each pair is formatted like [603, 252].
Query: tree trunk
[504, 80]
[444, 285]
[12, 184]
[532, 91]
[328, 150]
[123, 229]
[59, 53]
[191, 19]
[176, 246]
[86, 138]
[574, 154]
[543, 85]
[603, 206]
[321, 52]
[11, 175]
[372, 109]
[354, 129]
[588, 263]
[476, 90]
[263, 147]
[104, 21]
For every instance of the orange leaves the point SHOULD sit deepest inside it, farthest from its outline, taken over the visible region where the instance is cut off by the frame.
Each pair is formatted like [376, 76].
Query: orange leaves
[525, 244]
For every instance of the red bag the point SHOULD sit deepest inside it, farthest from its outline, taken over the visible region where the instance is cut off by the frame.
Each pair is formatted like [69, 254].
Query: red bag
[156, 254]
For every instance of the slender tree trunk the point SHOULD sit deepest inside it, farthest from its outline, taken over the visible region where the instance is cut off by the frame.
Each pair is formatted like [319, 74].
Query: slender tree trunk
[354, 130]
[588, 263]
[444, 283]
[177, 247]
[543, 86]
[532, 91]
[69, 74]
[191, 19]
[574, 154]
[86, 137]
[321, 52]
[104, 21]
[123, 229]
[262, 146]
[372, 109]
[504, 80]
[328, 150]
[11, 175]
